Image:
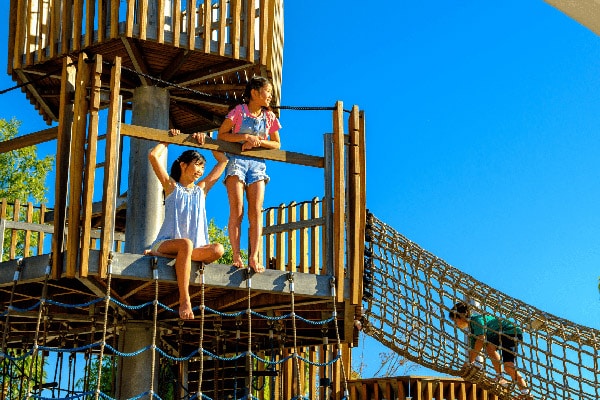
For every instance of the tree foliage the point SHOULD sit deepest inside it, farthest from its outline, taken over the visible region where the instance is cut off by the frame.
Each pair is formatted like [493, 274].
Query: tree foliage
[22, 173]
[219, 235]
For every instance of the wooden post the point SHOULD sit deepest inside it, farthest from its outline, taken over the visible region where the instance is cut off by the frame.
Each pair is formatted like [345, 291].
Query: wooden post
[63, 156]
[354, 239]
[111, 166]
[339, 200]
[90, 165]
[76, 164]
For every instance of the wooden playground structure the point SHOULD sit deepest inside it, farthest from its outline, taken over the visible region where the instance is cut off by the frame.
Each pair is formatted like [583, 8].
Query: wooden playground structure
[81, 63]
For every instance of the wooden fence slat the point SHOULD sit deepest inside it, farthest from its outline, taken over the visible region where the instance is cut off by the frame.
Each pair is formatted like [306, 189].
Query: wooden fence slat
[114, 20]
[339, 200]
[41, 235]
[130, 19]
[29, 218]
[111, 167]
[279, 240]
[103, 19]
[12, 34]
[160, 23]
[90, 11]
[30, 34]
[176, 22]
[292, 238]
[20, 33]
[304, 240]
[236, 20]
[221, 27]
[250, 18]
[207, 13]
[191, 22]
[142, 18]
[90, 164]
[315, 237]
[264, 31]
[77, 21]
[269, 247]
[13, 235]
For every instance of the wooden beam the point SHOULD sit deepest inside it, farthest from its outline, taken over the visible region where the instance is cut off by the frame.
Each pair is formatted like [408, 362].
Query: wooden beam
[29, 140]
[586, 12]
[219, 145]
[137, 59]
[339, 197]
[34, 93]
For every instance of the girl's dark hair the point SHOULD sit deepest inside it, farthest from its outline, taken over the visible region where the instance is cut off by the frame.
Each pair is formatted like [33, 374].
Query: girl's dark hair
[186, 157]
[256, 82]
[460, 310]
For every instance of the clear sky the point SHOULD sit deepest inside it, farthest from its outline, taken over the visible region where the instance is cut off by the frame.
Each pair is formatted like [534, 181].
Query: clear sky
[482, 133]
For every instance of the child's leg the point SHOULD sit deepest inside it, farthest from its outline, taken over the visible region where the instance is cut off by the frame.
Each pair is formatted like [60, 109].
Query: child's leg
[510, 369]
[256, 195]
[208, 253]
[492, 352]
[235, 194]
[182, 250]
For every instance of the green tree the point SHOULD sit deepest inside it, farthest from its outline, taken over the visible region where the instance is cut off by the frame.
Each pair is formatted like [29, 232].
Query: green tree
[219, 235]
[22, 177]
[22, 173]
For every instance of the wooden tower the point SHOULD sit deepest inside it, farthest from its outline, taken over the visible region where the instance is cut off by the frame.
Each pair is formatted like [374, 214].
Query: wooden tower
[82, 63]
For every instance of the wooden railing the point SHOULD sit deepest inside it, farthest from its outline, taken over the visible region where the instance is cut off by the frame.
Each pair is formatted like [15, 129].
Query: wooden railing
[250, 30]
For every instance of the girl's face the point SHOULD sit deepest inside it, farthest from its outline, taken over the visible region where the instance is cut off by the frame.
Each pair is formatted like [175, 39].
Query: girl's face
[193, 170]
[263, 95]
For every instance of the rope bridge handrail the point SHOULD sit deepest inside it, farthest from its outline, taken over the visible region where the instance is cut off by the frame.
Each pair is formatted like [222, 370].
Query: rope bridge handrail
[409, 291]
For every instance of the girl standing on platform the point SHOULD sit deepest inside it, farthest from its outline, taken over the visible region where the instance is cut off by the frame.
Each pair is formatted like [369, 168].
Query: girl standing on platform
[255, 126]
[184, 232]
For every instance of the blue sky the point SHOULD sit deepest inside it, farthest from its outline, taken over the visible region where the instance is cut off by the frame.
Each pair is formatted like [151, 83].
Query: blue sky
[482, 133]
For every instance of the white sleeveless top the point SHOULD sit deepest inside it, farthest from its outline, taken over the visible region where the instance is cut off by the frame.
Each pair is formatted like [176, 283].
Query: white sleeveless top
[185, 216]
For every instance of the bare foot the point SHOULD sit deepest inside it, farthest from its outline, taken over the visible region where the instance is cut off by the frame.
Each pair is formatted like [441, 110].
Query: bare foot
[237, 261]
[149, 252]
[185, 310]
[256, 266]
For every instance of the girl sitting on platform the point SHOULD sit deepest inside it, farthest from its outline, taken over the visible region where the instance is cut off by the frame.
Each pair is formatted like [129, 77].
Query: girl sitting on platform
[254, 125]
[184, 232]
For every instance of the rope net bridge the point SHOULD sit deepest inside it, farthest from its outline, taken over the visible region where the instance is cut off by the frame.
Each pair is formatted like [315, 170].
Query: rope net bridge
[408, 293]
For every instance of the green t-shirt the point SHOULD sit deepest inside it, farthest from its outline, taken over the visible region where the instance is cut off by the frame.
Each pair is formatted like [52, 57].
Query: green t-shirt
[488, 325]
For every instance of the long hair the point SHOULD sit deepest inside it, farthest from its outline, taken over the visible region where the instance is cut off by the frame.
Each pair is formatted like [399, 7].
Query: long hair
[186, 157]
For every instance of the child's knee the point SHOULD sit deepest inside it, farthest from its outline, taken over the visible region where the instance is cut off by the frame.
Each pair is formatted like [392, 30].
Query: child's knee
[219, 250]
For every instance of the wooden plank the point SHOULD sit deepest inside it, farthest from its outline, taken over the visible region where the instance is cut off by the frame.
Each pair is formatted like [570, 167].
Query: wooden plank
[207, 26]
[114, 21]
[111, 167]
[354, 240]
[20, 33]
[77, 21]
[339, 201]
[279, 240]
[250, 18]
[292, 260]
[312, 373]
[451, 392]
[76, 165]
[12, 29]
[269, 237]
[315, 236]
[136, 58]
[362, 162]
[142, 18]
[66, 30]
[55, 24]
[29, 140]
[191, 20]
[160, 25]
[90, 165]
[221, 27]
[41, 235]
[30, 34]
[63, 155]
[236, 20]
[304, 240]
[264, 31]
[90, 14]
[29, 219]
[13, 234]
[176, 22]
[219, 145]
[401, 392]
[130, 18]
[103, 19]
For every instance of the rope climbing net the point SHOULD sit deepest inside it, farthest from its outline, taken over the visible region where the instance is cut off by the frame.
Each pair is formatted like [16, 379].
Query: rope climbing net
[27, 371]
[409, 291]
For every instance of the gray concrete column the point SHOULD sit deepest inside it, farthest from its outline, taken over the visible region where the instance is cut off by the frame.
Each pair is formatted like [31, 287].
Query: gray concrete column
[135, 373]
[145, 211]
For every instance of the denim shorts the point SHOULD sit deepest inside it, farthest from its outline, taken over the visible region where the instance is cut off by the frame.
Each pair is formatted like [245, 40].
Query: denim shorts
[248, 170]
